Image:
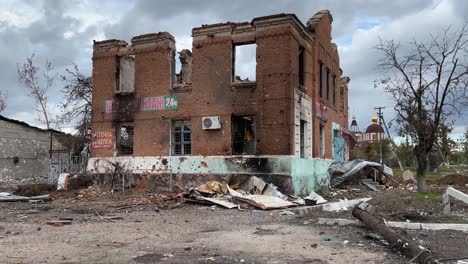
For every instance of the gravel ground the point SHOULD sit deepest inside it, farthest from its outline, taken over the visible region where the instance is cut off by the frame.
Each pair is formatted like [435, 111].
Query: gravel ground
[183, 234]
[156, 229]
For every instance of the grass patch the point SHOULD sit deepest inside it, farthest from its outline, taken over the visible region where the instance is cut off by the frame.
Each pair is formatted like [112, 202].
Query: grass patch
[429, 195]
[450, 220]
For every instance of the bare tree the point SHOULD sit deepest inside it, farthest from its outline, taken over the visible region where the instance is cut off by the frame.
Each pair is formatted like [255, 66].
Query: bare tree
[37, 83]
[77, 99]
[3, 100]
[428, 83]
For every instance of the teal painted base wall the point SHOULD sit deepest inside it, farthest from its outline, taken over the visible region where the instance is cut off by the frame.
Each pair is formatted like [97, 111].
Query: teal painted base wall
[304, 175]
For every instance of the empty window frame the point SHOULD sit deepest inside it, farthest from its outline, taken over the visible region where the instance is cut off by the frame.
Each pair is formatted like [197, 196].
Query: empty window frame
[329, 80]
[302, 139]
[124, 139]
[323, 80]
[125, 74]
[243, 135]
[322, 142]
[181, 137]
[244, 62]
[301, 68]
[341, 98]
[333, 90]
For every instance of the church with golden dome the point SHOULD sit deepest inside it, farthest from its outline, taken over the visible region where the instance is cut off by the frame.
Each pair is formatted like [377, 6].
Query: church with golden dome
[374, 132]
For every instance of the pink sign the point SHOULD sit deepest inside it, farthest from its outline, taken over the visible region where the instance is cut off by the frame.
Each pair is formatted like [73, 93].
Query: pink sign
[108, 106]
[152, 103]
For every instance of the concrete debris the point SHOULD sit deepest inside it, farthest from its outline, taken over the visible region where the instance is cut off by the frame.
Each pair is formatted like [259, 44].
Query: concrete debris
[342, 205]
[8, 197]
[272, 190]
[62, 183]
[221, 201]
[452, 192]
[408, 176]
[253, 185]
[286, 212]
[261, 201]
[313, 199]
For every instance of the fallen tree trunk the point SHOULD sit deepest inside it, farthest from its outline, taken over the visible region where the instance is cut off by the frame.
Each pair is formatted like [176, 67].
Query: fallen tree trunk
[405, 245]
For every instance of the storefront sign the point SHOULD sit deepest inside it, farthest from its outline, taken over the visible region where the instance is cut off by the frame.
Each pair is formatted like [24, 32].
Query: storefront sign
[167, 102]
[102, 140]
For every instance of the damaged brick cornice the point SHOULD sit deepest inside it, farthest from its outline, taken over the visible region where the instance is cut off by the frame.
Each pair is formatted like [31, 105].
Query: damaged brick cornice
[132, 52]
[109, 44]
[201, 43]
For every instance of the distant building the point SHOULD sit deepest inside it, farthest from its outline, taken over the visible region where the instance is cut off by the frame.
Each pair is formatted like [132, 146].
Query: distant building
[374, 132]
[30, 154]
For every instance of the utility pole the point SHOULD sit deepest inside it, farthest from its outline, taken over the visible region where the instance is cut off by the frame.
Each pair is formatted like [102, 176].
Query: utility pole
[380, 116]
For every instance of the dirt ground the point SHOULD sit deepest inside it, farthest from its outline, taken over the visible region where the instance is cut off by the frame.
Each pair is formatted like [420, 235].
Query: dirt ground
[157, 228]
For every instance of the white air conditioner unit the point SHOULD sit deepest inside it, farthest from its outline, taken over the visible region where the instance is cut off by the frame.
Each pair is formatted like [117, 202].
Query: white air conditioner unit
[211, 122]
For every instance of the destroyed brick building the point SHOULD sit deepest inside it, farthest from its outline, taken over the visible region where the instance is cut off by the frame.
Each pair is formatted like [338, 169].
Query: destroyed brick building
[284, 122]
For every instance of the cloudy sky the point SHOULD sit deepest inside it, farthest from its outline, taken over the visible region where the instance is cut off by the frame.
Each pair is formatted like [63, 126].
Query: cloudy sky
[63, 31]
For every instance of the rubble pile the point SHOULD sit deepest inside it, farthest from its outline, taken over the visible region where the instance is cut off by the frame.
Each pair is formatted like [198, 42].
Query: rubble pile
[254, 192]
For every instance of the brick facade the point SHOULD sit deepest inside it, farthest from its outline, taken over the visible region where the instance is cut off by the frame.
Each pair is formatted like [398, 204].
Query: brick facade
[276, 101]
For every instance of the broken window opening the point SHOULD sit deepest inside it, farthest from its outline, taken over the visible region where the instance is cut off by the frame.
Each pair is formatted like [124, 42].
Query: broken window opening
[125, 74]
[184, 77]
[301, 68]
[323, 78]
[244, 62]
[322, 142]
[328, 85]
[181, 137]
[243, 135]
[302, 139]
[333, 90]
[341, 99]
[124, 139]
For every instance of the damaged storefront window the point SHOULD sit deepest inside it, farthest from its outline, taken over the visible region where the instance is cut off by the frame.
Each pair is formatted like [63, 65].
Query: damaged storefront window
[182, 137]
[124, 137]
[243, 135]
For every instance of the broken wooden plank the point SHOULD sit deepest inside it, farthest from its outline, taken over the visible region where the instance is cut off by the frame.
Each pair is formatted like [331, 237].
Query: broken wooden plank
[370, 186]
[405, 245]
[59, 222]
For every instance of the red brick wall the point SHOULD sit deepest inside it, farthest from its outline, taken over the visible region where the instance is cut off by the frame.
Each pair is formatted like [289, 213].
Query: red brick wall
[213, 93]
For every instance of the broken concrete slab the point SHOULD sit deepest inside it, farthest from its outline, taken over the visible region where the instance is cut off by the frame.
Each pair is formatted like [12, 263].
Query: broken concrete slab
[219, 201]
[261, 201]
[452, 192]
[403, 225]
[343, 205]
[313, 199]
[8, 197]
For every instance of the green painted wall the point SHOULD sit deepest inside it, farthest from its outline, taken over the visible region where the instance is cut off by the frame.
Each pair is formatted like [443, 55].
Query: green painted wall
[309, 174]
